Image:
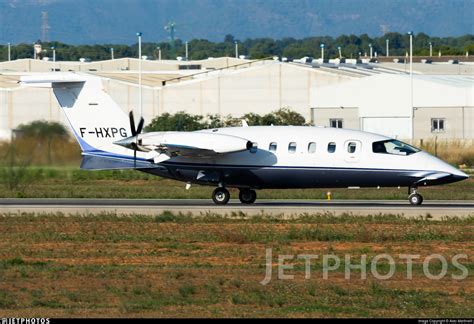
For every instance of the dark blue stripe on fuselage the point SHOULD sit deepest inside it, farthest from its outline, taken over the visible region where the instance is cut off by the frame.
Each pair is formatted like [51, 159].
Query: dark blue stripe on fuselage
[274, 176]
[256, 176]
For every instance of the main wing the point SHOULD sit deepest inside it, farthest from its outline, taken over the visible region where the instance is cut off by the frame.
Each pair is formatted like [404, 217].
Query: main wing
[161, 146]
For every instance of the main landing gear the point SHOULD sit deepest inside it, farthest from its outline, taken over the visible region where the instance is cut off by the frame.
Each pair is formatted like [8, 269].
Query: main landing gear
[414, 197]
[221, 196]
[247, 196]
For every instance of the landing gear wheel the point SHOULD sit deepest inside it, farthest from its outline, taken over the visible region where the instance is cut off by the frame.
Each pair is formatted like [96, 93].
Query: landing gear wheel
[415, 199]
[221, 196]
[247, 196]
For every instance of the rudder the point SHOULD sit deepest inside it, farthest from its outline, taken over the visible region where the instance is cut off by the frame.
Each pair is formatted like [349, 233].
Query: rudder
[95, 119]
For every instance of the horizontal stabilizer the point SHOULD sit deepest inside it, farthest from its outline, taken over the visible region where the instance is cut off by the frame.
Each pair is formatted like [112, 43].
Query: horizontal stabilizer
[96, 162]
[65, 80]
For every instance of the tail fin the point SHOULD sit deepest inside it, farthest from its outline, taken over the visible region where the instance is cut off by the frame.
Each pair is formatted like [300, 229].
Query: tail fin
[95, 119]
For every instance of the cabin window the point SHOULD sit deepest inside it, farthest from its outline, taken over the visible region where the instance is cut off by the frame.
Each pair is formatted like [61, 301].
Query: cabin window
[272, 147]
[292, 147]
[437, 125]
[335, 123]
[351, 147]
[312, 147]
[332, 147]
[393, 147]
[254, 147]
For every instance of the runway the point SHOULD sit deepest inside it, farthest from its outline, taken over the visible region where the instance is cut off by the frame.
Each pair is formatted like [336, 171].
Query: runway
[196, 207]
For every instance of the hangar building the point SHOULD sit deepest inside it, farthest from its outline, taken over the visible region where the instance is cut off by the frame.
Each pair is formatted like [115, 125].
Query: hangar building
[371, 97]
[443, 106]
[220, 86]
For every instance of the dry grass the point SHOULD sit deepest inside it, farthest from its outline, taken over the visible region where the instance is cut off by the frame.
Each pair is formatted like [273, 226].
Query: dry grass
[73, 183]
[41, 153]
[177, 266]
[24, 172]
[456, 152]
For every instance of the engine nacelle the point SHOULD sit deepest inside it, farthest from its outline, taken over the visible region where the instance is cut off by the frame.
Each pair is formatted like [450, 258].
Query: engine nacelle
[218, 143]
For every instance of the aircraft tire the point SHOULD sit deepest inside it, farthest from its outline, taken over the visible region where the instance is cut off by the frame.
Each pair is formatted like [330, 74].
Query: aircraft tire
[247, 196]
[221, 196]
[415, 199]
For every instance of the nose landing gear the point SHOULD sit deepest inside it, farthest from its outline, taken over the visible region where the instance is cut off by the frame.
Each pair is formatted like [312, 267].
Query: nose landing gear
[414, 197]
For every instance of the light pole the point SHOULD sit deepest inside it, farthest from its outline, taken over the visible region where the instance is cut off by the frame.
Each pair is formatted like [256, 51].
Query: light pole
[34, 51]
[322, 52]
[236, 49]
[112, 53]
[431, 49]
[186, 43]
[370, 47]
[9, 52]
[340, 52]
[159, 53]
[387, 50]
[139, 34]
[410, 33]
[54, 53]
[54, 58]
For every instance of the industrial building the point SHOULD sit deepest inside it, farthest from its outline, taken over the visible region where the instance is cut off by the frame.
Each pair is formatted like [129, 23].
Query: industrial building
[439, 106]
[372, 97]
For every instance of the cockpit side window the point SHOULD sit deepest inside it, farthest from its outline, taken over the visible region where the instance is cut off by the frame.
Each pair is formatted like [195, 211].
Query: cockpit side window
[393, 147]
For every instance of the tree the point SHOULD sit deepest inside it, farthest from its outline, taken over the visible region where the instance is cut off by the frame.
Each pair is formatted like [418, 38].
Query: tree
[15, 173]
[283, 116]
[180, 121]
[256, 48]
[44, 131]
[229, 39]
[217, 121]
[252, 119]
[286, 116]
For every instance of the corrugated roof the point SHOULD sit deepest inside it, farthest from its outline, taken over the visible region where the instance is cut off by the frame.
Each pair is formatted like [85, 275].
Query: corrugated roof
[450, 80]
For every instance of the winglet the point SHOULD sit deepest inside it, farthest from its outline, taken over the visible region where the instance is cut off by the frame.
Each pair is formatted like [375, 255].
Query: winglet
[244, 123]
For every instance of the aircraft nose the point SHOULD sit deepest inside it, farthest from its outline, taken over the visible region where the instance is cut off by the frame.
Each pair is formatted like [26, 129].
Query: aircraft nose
[451, 174]
[456, 175]
[459, 175]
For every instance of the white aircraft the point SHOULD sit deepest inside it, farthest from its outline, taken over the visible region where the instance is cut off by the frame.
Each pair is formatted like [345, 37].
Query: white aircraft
[247, 158]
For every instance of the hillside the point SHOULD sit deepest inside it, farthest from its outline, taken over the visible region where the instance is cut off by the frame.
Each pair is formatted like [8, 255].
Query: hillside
[116, 21]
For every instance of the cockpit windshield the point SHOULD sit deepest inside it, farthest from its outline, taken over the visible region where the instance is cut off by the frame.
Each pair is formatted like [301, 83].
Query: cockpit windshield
[393, 147]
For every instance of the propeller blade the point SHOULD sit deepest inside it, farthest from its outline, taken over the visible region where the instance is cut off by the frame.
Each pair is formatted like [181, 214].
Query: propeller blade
[135, 159]
[132, 123]
[140, 125]
[135, 132]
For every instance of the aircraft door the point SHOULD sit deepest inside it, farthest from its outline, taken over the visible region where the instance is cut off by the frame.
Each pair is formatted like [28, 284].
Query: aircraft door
[352, 150]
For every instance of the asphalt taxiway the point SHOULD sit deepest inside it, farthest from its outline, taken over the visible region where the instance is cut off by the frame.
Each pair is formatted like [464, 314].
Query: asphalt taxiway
[196, 207]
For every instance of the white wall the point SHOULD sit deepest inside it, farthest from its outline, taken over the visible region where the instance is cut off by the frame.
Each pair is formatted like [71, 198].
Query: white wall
[259, 89]
[385, 102]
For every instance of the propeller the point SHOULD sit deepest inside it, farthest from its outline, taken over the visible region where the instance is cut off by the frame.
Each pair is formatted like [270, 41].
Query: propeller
[139, 129]
[135, 132]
